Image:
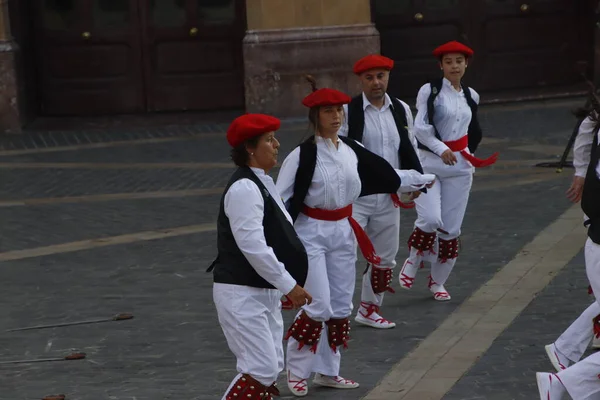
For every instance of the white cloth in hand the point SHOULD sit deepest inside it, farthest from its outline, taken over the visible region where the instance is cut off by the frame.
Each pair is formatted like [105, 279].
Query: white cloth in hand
[412, 180]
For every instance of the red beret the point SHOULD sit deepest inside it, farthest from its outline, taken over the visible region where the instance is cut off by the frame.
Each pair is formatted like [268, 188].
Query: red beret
[250, 125]
[373, 61]
[453, 47]
[326, 97]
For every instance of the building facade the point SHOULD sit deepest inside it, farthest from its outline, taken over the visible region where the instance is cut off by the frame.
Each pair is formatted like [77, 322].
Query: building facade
[103, 57]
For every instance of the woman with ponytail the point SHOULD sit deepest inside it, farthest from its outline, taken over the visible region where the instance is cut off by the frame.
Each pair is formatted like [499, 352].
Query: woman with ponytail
[318, 182]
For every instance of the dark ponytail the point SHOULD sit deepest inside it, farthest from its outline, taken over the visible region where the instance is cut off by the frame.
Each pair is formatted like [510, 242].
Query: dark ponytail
[312, 81]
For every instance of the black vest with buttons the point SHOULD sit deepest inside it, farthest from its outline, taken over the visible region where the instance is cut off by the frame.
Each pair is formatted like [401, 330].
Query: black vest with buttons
[232, 267]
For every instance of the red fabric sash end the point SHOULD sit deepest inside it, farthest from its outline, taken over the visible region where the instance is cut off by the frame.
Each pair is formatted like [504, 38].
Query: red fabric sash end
[366, 246]
[364, 243]
[478, 162]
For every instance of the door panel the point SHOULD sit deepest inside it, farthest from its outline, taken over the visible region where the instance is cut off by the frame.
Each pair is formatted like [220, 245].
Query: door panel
[410, 30]
[89, 53]
[534, 42]
[122, 56]
[194, 54]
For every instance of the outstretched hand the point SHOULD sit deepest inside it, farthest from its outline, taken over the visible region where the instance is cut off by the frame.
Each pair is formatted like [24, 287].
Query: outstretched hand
[412, 180]
[576, 189]
[414, 195]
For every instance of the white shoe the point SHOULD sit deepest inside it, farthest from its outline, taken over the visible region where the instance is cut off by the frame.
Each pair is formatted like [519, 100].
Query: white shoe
[298, 387]
[407, 274]
[336, 382]
[549, 386]
[368, 314]
[439, 291]
[558, 360]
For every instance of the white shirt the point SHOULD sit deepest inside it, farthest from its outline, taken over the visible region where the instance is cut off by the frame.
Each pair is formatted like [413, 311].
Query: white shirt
[244, 206]
[335, 183]
[381, 134]
[452, 116]
[583, 147]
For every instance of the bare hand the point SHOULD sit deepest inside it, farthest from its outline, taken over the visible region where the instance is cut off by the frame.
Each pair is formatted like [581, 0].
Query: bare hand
[576, 189]
[449, 158]
[414, 195]
[299, 297]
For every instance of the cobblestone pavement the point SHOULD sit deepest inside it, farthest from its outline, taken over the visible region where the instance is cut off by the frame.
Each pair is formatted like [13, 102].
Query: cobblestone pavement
[56, 193]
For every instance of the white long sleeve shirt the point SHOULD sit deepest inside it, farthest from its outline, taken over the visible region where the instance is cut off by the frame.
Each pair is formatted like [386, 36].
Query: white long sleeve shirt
[452, 116]
[335, 183]
[583, 148]
[244, 206]
[381, 134]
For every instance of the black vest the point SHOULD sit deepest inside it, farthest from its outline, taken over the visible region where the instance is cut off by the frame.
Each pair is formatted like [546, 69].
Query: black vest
[376, 174]
[590, 200]
[474, 131]
[356, 127]
[231, 266]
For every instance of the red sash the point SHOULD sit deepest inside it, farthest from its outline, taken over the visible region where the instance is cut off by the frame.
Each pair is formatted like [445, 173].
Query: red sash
[366, 247]
[461, 145]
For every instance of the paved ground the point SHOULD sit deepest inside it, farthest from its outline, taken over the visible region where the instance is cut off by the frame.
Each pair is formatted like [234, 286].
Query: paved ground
[507, 370]
[78, 210]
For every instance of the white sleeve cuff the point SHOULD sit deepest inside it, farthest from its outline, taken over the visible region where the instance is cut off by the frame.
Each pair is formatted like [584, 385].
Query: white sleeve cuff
[286, 283]
[440, 148]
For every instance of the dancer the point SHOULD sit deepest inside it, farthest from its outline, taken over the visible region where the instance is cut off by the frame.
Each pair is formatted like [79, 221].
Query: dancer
[260, 258]
[319, 182]
[384, 125]
[580, 378]
[448, 133]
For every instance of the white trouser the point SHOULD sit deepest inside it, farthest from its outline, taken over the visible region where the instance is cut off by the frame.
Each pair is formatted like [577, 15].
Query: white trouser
[576, 339]
[443, 206]
[381, 221]
[582, 379]
[331, 248]
[253, 326]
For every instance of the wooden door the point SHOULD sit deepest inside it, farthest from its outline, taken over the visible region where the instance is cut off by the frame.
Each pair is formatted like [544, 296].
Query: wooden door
[530, 43]
[193, 54]
[410, 30]
[89, 56]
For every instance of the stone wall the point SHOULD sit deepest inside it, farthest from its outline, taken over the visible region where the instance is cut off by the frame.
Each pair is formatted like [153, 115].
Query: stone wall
[287, 39]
